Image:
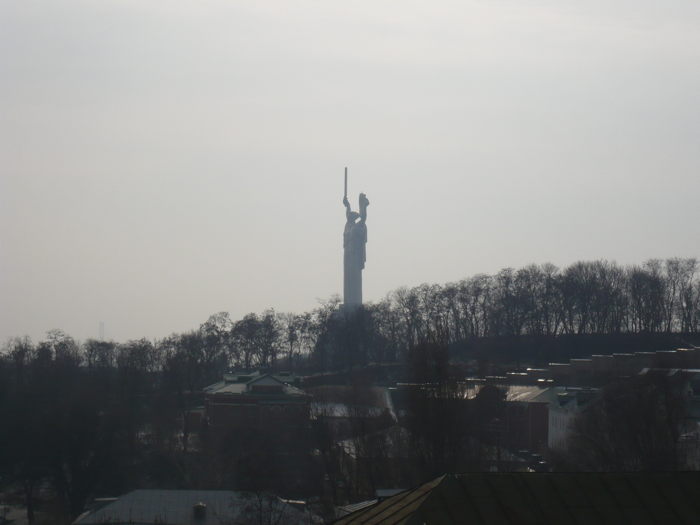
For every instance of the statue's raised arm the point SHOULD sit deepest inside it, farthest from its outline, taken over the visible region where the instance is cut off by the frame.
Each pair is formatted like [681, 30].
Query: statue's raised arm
[364, 202]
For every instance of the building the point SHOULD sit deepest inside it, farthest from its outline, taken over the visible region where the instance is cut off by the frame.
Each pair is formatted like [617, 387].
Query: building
[350, 411]
[564, 404]
[254, 400]
[191, 507]
[257, 427]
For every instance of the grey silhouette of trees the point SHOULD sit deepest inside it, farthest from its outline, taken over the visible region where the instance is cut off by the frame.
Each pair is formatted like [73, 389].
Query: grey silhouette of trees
[117, 414]
[586, 298]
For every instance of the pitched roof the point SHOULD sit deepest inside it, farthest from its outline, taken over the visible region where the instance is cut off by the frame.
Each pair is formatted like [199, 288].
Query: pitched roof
[172, 507]
[242, 385]
[542, 498]
[176, 507]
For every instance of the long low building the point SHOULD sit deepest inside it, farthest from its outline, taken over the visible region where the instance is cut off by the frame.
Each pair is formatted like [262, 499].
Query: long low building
[190, 507]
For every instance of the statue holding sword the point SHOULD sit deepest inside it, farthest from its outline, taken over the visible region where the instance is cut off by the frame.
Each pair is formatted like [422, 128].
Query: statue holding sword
[354, 257]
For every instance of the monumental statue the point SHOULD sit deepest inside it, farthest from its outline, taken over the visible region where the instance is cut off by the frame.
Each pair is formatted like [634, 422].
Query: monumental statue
[354, 240]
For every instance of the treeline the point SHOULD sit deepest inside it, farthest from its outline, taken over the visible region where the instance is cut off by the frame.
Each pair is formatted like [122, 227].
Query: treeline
[86, 420]
[100, 417]
[586, 298]
[598, 297]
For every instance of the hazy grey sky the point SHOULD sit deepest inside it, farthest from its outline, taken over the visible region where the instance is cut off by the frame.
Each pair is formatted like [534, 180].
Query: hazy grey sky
[165, 160]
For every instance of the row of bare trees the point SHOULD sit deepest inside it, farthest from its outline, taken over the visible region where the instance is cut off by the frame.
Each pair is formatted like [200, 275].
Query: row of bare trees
[115, 412]
[99, 418]
[72, 418]
[598, 297]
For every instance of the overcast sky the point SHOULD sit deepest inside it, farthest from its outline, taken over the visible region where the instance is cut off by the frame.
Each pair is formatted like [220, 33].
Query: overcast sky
[162, 160]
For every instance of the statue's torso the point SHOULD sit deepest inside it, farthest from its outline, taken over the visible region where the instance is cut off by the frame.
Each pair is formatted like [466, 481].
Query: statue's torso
[355, 244]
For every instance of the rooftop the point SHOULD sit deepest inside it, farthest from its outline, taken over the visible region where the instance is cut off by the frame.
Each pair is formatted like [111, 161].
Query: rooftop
[187, 507]
[244, 384]
[171, 507]
[542, 498]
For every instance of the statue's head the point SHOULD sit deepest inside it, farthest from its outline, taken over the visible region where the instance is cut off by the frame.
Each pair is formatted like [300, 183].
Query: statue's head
[353, 216]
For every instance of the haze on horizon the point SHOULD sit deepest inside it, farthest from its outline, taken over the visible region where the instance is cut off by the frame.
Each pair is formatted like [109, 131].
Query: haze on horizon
[165, 160]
